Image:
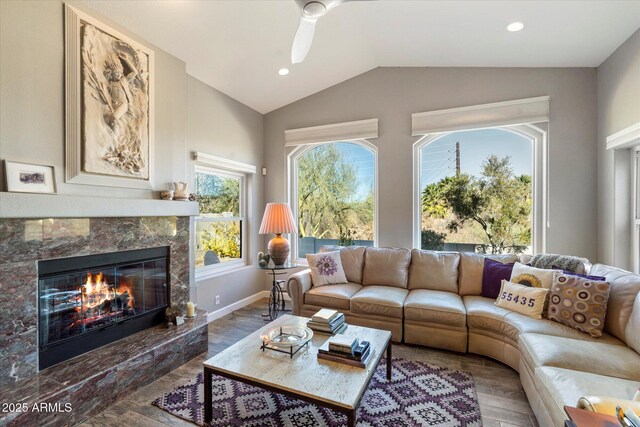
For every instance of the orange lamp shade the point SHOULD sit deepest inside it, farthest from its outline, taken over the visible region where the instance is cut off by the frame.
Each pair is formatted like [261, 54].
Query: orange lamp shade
[277, 219]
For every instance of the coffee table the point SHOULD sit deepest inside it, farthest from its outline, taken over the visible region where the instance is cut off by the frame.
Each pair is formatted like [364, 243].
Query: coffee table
[583, 418]
[329, 384]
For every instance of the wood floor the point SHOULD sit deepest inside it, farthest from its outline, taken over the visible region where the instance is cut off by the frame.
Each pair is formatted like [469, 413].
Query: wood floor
[502, 400]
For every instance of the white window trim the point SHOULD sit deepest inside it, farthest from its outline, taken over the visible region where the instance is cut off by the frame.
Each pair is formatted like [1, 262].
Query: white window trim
[625, 226]
[204, 159]
[292, 186]
[635, 209]
[233, 169]
[496, 114]
[335, 132]
[626, 138]
[540, 221]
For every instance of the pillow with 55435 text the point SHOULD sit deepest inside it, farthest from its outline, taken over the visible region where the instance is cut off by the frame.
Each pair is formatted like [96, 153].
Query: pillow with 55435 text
[522, 299]
[532, 277]
[326, 268]
[580, 303]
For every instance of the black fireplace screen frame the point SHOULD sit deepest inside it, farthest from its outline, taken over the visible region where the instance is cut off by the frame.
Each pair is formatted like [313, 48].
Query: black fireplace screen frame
[66, 348]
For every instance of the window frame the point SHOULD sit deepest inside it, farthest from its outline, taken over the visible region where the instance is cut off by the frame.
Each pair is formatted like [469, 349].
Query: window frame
[292, 185]
[623, 228]
[230, 169]
[635, 208]
[538, 137]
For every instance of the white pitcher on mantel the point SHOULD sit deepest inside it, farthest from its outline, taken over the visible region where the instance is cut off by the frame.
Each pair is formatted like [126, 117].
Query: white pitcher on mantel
[182, 189]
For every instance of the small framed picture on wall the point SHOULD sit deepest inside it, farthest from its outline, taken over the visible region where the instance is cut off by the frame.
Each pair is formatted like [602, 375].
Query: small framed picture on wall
[28, 178]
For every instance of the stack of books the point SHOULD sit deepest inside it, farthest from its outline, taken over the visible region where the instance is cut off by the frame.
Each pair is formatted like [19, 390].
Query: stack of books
[348, 350]
[327, 321]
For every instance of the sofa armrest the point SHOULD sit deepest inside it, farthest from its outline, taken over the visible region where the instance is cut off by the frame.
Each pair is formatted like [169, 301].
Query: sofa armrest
[297, 285]
[606, 405]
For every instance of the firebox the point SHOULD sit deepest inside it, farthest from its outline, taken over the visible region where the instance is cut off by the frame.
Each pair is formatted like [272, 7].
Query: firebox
[88, 301]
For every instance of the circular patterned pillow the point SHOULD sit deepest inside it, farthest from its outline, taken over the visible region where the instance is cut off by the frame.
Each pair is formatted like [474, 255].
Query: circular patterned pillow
[579, 302]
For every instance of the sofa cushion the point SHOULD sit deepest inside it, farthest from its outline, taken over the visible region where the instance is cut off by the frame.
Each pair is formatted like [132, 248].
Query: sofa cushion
[470, 271]
[386, 267]
[482, 314]
[326, 268]
[445, 308]
[624, 286]
[558, 387]
[334, 296]
[353, 262]
[596, 357]
[632, 331]
[379, 300]
[437, 271]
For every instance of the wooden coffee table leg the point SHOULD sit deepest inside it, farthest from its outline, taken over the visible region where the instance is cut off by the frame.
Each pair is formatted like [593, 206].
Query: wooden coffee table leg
[389, 361]
[351, 418]
[208, 398]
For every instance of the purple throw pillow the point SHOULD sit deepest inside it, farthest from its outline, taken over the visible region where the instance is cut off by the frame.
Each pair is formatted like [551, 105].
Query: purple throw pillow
[584, 276]
[492, 275]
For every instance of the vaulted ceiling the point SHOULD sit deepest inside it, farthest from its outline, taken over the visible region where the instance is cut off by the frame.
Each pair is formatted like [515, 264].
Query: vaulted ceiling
[239, 46]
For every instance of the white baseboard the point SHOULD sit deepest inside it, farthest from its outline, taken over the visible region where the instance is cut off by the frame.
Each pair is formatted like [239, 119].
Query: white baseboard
[239, 304]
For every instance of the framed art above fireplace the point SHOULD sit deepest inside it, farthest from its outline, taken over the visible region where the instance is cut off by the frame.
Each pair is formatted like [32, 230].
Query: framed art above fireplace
[109, 105]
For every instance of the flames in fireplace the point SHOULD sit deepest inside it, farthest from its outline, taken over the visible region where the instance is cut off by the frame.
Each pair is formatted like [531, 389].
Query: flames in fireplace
[100, 300]
[98, 293]
[117, 293]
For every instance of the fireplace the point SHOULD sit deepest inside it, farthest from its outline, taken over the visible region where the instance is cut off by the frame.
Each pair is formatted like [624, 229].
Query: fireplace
[88, 301]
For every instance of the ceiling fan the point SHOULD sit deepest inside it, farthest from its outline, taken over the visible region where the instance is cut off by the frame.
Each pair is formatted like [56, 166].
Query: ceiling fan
[311, 11]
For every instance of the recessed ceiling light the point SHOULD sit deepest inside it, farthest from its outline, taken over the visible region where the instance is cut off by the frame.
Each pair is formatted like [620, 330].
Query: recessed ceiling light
[283, 71]
[515, 26]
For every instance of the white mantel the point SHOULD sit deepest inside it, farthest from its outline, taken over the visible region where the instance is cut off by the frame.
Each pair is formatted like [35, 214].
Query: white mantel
[25, 205]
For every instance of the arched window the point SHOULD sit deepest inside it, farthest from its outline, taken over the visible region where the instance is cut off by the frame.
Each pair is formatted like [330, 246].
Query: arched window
[480, 190]
[332, 193]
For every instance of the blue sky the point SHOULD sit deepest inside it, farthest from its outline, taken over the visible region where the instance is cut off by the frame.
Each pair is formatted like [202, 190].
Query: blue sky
[362, 159]
[439, 157]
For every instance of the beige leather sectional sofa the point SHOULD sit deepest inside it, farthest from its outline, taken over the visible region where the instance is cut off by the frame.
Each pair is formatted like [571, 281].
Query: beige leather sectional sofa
[434, 299]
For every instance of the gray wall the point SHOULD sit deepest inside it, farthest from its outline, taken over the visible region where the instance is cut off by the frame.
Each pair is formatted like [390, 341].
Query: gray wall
[618, 81]
[32, 97]
[190, 116]
[219, 125]
[392, 94]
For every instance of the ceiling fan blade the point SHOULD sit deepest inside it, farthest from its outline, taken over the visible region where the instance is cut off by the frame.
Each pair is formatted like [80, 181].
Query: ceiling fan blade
[302, 40]
[330, 4]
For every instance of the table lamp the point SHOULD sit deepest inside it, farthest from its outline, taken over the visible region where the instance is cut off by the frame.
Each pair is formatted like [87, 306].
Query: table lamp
[278, 219]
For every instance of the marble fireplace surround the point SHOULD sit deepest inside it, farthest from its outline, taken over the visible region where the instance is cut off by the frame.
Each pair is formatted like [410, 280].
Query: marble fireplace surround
[144, 356]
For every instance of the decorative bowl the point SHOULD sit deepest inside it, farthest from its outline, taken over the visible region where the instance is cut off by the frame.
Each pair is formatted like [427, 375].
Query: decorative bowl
[286, 336]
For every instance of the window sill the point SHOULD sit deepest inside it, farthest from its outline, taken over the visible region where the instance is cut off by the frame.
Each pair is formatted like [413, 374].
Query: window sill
[301, 262]
[220, 271]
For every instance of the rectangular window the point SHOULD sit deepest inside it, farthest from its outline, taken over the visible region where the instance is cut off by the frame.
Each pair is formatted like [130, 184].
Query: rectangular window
[219, 228]
[637, 185]
[635, 217]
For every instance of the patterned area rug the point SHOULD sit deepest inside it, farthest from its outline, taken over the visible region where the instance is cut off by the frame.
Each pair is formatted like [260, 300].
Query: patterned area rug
[418, 395]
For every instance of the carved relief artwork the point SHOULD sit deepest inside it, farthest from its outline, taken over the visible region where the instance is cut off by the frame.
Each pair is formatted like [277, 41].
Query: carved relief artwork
[109, 105]
[116, 105]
